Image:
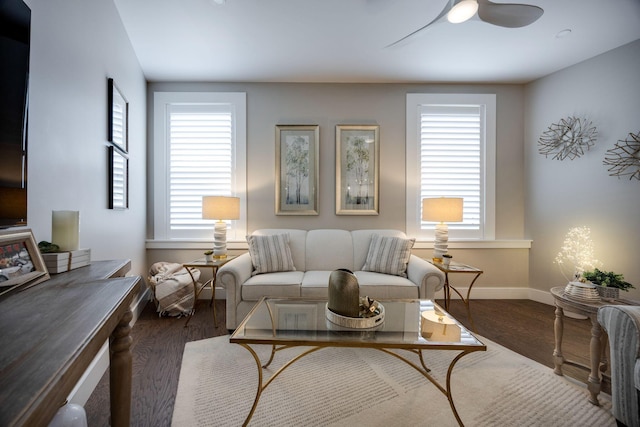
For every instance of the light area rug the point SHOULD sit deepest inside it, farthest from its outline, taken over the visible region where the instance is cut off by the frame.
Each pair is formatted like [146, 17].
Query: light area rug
[347, 387]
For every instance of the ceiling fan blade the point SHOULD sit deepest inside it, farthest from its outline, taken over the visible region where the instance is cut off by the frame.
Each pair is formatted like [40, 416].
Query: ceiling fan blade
[446, 10]
[510, 15]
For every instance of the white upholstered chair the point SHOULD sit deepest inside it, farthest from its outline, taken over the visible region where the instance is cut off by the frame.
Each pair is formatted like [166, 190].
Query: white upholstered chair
[622, 323]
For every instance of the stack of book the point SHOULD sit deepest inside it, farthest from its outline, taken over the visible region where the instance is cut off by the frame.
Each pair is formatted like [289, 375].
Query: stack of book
[60, 262]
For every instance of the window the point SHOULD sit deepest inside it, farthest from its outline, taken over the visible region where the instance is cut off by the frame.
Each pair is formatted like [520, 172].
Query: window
[451, 153]
[199, 149]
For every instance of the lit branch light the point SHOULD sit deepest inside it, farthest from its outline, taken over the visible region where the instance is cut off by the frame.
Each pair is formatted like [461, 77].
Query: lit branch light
[577, 251]
[624, 158]
[571, 138]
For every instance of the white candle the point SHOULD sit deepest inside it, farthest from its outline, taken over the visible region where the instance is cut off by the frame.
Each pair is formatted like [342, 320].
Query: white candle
[65, 230]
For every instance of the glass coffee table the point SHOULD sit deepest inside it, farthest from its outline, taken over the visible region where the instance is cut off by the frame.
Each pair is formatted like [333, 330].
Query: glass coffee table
[409, 325]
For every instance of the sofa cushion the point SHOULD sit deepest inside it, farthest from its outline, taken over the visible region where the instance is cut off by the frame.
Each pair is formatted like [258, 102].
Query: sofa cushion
[297, 243]
[329, 250]
[282, 284]
[362, 241]
[315, 284]
[388, 255]
[270, 254]
[384, 286]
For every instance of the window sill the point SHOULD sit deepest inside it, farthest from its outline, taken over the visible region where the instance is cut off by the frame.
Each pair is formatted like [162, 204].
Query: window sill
[191, 244]
[420, 244]
[478, 244]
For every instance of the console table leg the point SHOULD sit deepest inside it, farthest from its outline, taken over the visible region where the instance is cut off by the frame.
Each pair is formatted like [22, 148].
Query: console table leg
[558, 329]
[120, 372]
[594, 376]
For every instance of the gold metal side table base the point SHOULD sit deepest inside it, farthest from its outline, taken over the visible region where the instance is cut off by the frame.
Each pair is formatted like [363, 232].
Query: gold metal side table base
[213, 265]
[455, 267]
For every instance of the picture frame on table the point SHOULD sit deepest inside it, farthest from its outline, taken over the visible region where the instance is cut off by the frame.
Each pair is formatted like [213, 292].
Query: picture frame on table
[118, 109]
[357, 169]
[297, 168]
[21, 264]
[118, 179]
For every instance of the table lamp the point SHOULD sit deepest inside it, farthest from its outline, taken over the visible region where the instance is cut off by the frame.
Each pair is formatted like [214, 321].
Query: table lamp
[441, 210]
[220, 208]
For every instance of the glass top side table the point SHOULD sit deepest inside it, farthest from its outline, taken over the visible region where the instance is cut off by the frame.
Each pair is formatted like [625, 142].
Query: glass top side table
[213, 265]
[456, 267]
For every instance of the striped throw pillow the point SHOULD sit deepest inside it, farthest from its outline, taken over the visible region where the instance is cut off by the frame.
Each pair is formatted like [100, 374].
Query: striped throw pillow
[270, 254]
[388, 255]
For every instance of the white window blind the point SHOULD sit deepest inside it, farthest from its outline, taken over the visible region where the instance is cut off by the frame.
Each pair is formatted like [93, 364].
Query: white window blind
[199, 150]
[120, 168]
[450, 151]
[450, 158]
[200, 161]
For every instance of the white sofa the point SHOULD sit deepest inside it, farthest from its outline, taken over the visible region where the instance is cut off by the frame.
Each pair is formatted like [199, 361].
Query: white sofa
[315, 254]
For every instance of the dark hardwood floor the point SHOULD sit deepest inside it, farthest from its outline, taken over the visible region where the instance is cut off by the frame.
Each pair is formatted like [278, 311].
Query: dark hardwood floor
[523, 326]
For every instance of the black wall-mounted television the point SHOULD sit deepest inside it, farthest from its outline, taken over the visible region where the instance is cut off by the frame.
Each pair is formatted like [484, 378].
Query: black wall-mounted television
[15, 36]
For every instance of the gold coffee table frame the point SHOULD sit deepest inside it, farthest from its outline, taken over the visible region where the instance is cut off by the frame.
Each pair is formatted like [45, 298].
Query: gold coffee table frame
[260, 327]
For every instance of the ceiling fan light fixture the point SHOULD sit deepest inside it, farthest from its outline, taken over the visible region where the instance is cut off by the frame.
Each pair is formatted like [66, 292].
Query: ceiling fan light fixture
[462, 11]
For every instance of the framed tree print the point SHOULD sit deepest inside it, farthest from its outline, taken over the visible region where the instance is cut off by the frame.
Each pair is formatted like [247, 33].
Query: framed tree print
[118, 118]
[297, 165]
[357, 164]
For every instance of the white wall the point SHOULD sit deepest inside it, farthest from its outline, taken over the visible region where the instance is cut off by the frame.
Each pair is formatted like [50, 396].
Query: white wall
[75, 46]
[565, 194]
[327, 105]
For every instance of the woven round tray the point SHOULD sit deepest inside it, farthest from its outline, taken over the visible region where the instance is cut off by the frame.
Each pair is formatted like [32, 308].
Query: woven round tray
[582, 292]
[355, 322]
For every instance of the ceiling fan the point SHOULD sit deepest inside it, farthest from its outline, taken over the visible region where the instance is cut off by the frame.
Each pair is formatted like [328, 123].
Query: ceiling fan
[510, 15]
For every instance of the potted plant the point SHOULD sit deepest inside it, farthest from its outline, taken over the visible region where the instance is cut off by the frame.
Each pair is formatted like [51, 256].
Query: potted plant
[607, 283]
[208, 256]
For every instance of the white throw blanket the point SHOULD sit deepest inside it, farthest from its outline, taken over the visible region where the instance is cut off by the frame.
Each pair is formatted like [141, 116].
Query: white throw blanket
[173, 288]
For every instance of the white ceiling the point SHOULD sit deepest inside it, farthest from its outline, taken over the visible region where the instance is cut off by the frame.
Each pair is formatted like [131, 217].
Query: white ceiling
[344, 40]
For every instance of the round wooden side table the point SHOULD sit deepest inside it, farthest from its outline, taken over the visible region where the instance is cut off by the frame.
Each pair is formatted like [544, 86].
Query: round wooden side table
[599, 338]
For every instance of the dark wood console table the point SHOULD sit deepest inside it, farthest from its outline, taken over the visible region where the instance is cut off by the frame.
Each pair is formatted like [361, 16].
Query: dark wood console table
[52, 331]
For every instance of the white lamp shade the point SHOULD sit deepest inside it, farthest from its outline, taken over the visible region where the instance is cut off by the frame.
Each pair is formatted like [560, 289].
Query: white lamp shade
[220, 207]
[462, 11]
[442, 209]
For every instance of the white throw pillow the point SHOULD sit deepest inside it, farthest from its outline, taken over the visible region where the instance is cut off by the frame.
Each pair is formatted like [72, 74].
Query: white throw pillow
[270, 253]
[388, 255]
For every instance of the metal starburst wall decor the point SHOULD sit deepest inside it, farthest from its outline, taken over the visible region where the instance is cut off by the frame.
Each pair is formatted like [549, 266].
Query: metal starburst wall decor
[624, 157]
[569, 138]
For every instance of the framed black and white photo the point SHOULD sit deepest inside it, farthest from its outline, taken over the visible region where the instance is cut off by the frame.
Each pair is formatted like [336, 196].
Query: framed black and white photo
[118, 179]
[118, 108]
[357, 164]
[297, 165]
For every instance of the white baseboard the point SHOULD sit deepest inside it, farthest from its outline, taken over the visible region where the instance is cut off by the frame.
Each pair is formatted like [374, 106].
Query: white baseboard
[92, 376]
